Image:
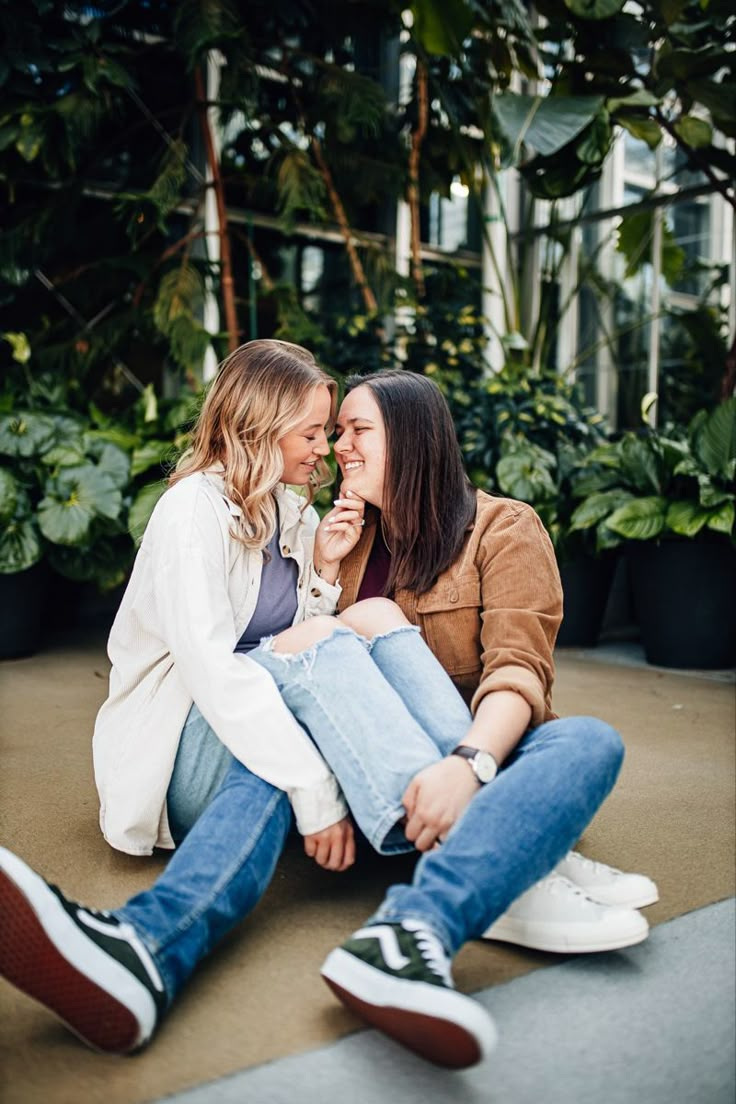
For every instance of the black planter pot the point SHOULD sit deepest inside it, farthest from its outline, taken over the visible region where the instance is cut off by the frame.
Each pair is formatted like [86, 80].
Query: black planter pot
[22, 602]
[586, 582]
[685, 600]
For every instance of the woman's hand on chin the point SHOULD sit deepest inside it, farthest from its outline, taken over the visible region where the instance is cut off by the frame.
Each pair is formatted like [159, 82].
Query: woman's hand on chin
[338, 532]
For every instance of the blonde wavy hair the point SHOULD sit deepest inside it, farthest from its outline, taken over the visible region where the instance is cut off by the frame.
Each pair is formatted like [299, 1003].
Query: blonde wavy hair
[260, 394]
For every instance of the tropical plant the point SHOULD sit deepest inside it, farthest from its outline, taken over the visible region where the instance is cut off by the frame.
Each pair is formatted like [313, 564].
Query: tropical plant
[61, 497]
[75, 488]
[104, 104]
[654, 485]
[544, 410]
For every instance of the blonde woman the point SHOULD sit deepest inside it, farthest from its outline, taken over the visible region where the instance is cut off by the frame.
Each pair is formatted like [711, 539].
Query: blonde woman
[226, 559]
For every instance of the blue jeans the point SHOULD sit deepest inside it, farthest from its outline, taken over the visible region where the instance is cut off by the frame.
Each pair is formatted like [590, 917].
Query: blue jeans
[233, 827]
[379, 713]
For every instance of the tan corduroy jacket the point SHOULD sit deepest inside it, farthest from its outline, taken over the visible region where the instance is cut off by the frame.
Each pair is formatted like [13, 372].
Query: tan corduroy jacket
[492, 617]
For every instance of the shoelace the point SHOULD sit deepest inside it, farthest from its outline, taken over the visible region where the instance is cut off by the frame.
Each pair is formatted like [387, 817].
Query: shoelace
[558, 884]
[431, 950]
[590, 864]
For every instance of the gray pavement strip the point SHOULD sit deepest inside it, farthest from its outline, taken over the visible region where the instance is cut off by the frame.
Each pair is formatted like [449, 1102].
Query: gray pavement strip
[655, 1023]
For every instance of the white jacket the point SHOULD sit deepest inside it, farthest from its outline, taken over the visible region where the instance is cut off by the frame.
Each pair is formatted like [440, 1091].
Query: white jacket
[192, 591]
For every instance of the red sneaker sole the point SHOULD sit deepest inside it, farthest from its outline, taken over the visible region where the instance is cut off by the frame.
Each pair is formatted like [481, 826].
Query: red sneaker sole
[30, 961]
[443, 1043]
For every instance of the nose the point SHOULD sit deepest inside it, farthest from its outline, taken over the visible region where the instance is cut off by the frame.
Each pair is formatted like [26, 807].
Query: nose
[342, 444]
[322, 445]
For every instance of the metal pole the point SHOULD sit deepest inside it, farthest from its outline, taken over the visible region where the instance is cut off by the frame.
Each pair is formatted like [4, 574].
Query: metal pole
[655, 324]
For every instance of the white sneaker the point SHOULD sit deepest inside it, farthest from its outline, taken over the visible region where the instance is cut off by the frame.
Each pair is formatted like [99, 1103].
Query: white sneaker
[606, 884]
[554, 915]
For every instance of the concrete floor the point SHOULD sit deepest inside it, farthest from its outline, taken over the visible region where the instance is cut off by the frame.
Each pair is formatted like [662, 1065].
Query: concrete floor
[586, 1030]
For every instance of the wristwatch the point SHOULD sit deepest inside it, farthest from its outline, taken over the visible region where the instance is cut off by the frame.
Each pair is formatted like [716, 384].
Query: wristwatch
[482, 763]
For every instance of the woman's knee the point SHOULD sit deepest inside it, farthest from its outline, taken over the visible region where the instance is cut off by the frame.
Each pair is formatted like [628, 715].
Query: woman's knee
[605, 742]
[306, 634]
[373, 616]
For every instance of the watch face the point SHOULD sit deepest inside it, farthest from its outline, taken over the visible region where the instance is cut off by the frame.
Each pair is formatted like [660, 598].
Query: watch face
[484, 766]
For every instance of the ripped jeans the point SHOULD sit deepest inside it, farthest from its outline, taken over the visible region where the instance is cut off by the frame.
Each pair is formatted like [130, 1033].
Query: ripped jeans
[379, 712]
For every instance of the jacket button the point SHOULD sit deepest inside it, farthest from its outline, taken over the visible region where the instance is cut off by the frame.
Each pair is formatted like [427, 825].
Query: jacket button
[453, 596]
[286, 551]
[315, 592]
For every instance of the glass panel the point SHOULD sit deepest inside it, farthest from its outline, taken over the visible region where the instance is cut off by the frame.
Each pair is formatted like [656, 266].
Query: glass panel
[632, 310]
[448, 219]
[690, 223]
[639, 159]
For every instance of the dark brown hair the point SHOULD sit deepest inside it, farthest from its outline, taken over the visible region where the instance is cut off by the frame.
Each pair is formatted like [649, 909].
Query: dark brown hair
[428, 500]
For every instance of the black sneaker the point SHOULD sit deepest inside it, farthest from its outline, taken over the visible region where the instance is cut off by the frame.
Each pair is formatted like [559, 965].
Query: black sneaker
[396, 976]
[84, 965]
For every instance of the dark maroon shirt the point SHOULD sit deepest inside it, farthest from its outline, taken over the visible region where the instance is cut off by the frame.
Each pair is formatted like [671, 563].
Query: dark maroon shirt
[376, 570]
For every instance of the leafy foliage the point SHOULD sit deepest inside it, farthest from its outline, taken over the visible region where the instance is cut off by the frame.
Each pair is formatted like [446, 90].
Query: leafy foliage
[73, 485]
[644, 487]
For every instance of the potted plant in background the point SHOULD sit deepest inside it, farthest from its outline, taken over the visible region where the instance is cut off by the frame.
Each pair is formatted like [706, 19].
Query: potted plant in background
[532, 432]
[669, 496]
[545, 479]
[61, 506]
[75, 492]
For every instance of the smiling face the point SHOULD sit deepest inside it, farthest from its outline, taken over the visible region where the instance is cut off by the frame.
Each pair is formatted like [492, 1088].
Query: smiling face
[360, 448]
[303, 446]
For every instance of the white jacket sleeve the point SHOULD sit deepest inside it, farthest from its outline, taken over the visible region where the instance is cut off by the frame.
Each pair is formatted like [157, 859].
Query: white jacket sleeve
[236, 696]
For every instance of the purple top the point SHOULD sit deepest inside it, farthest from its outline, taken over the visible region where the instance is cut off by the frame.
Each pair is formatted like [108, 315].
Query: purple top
[277, 602]
[376, 570]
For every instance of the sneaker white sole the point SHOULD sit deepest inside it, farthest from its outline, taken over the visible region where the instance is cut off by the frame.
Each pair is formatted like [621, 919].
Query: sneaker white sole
[439, 1024]
[44, 954]
[568, 938]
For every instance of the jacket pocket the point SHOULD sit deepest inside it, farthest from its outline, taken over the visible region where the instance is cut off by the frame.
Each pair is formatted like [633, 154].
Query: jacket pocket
[449, 617]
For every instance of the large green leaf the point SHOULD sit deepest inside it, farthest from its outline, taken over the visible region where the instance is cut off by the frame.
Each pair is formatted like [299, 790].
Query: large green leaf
[26, 434]
[521, 476]
[8, 495]
[641, 98]
[639, 464]
[686, 518]
[641, 519]
[65, 521]
[441, 25]
[642, 127]
[695, 132]
[714, 438]
[635, 236]
[546, 123]
[596, 141]
[142, 508]
[598, 506]
[115, 464]
[20, 547]
[80, 495]
[722, 520]
[710, 495]
[67, 455]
